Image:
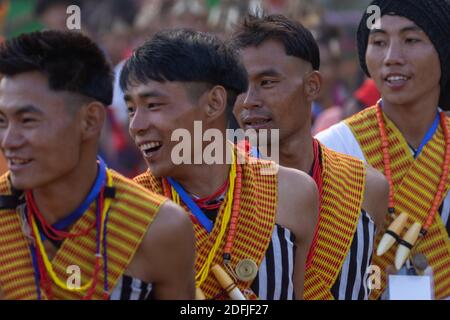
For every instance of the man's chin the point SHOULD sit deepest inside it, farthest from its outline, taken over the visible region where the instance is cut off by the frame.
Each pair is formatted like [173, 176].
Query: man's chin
[399, 99]
[20, 184]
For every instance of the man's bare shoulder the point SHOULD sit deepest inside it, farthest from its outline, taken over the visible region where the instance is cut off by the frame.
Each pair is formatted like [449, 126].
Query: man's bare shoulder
[167, 253]
[376, 196]
[297, 200]
[171, 220]
[170, 235]
[293, 182]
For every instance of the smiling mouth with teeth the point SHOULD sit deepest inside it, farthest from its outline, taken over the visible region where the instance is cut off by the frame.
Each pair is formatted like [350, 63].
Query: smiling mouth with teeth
[17, 161]
[150, 147]
[392, 79]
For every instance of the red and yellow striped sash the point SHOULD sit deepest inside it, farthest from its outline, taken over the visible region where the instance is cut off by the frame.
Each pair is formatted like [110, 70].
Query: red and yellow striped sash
[342, 196]
[131, 212]
[415, 183]
[254, 228]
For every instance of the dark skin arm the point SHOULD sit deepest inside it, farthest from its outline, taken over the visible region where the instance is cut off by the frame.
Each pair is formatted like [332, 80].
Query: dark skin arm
[298, 209]
[167, 255]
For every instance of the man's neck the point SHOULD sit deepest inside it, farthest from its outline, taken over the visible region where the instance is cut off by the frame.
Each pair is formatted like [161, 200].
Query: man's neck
[61, 197]
[413, 120]
[202, 180]
[297, 151]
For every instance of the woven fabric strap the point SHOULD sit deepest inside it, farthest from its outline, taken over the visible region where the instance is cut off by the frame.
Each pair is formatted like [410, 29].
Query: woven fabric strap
[256, 222]
[131, 213]
[415, 185]
[342, 196]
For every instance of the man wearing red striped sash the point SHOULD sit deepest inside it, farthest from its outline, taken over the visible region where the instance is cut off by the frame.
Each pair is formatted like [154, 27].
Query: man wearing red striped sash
[406, 134]
[247, 220]
[70, 228]
[282, 60]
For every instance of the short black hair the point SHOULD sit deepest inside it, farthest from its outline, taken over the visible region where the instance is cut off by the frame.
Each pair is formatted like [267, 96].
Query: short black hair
[43, 5]
[187, 56]
[297, 40]
[71, 61]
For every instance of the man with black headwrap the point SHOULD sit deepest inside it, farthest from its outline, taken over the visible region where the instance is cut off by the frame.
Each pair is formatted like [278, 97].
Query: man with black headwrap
[406, 135]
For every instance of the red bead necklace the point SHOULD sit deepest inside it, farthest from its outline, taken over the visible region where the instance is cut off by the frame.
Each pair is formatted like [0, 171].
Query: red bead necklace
[234, 213]
[387, 168]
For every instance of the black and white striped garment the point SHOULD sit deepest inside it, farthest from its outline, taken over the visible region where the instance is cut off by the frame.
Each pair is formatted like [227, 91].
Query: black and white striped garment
[444, 211]
[351, 283]
[129, 288]
[274, 280]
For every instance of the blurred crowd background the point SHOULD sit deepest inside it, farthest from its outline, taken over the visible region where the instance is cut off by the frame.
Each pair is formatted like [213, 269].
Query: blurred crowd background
[118, 26]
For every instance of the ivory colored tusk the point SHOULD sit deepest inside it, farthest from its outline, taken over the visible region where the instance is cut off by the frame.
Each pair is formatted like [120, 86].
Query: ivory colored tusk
[387, 240]
[227, 283]
[385, 244]
[403, 252]
[199, 295]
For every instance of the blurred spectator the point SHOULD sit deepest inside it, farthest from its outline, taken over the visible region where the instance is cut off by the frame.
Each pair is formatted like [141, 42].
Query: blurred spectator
[110, 24]
[4, 8]
[328, 106]
[52, 13]
[365, 96]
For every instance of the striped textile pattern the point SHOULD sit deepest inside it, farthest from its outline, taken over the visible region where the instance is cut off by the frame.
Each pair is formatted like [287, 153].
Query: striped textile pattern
[415, 183]
[274, 280]
[342, 196]
[131, 212]
[254, 228]
[129, 288]
[16, 271]
[351, 283]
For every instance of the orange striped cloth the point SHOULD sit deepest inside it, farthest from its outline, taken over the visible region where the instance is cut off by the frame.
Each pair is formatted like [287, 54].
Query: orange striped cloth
[254, 228]
[342, 195]
[415, 183]
[132, 211]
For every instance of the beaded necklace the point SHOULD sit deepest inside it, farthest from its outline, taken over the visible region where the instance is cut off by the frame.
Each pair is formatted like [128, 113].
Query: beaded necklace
[41, 263]
[229, 219]
[387, 169]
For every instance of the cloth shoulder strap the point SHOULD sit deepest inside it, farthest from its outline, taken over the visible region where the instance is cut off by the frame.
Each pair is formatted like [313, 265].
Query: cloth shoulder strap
[415, 185]
[16, 270]
[131, 213]
[256, 222]
[342, 197]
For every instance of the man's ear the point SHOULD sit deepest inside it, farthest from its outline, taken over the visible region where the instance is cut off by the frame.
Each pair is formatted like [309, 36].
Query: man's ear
[93, 116]
[216, 102]
[312, 85]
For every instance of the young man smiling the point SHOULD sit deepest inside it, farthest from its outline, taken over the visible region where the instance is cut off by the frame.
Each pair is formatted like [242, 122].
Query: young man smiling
[70, 228]
[256, 226]
[406, 134]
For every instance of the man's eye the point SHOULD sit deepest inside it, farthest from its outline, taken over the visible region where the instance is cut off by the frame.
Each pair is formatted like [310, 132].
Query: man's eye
[153, 105]
[379, 43]
[28, 120]
[267, 82]
[412, 40]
